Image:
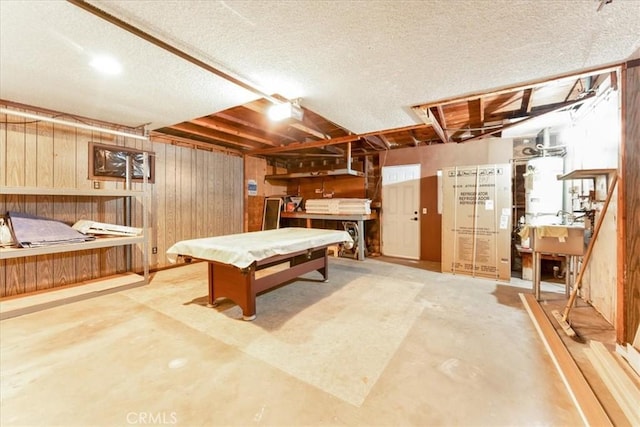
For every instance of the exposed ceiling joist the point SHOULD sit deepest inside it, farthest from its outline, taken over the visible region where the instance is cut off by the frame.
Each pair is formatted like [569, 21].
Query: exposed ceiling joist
[527, 101]
[532, 116]
[219, 137]
[339, 140]
[213, 125]
[509, 89]
[300, 126]
[437, 127]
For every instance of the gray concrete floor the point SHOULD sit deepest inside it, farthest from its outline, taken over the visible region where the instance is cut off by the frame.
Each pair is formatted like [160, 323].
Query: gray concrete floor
[470, 357]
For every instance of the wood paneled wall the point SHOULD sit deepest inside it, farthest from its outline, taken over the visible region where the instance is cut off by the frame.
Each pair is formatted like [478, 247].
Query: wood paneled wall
[256, 169]
[628, 318]
[196, 194]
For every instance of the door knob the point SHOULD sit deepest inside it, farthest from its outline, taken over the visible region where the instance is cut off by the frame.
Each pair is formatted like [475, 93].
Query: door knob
[414, 219]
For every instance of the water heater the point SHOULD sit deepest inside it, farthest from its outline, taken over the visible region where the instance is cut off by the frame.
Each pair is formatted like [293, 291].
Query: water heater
[543, 190]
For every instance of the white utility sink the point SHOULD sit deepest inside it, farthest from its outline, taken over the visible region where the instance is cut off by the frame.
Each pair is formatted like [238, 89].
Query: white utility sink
[558, 239]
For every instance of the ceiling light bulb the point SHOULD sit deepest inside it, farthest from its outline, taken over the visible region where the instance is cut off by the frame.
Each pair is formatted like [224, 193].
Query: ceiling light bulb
[106, 65]
[279, 112]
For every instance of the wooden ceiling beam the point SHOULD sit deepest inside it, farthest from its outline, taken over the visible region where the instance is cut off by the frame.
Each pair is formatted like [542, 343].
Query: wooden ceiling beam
[211, 124]
[378, 141]
[527, 101]
[338, 140]
[301, 127]
[530, 117]
[614, 80]
[443, 123]
[251, 125]
[182, 127]
[333, 149]
[435, 124]
[533, 84]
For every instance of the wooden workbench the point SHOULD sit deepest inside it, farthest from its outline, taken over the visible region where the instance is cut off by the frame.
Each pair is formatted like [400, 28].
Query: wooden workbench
[358, 218]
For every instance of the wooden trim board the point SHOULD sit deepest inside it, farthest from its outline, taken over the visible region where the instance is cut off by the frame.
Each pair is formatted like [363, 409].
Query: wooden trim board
[588, 405]
[631, 355]
[624, 391]
[24, 304]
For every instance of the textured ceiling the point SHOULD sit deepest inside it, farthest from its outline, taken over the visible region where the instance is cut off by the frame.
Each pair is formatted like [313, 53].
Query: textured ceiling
[359, 64]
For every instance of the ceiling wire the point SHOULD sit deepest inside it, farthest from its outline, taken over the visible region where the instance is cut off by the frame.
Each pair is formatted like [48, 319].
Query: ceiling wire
[601, 4]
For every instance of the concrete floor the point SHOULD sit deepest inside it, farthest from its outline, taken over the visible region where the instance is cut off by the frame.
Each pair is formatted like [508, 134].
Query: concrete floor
[403, 346]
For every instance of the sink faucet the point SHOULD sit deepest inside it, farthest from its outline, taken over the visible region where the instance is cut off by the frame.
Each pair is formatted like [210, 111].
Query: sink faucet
[566, 216]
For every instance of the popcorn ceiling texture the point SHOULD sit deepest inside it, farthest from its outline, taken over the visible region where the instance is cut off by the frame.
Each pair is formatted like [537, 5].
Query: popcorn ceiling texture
[361, 64]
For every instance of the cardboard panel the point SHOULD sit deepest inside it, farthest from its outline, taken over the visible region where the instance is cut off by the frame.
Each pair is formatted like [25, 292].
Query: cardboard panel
[476, 221]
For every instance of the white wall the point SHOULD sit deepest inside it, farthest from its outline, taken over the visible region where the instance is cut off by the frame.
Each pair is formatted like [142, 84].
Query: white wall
[593, 142]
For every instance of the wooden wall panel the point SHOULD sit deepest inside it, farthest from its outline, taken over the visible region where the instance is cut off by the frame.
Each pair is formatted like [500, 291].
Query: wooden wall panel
[3, 157]
[629, 318]
[44, 263]
[170, 196]
[238, 191]
[430, 223]
[45, 154]
[256, 169]
[157, 217]
[211, 202]
[599, 281]
[15, 157]
[196, 194]
[201, 193]
[218, 193]
[227, 194]
[31, 153]
[85, 207]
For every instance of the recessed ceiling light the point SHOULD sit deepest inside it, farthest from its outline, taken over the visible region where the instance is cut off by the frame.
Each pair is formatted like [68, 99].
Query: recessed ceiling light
[106, 65]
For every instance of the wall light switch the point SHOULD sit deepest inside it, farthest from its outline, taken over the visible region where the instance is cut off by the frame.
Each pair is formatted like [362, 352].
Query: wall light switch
[424, 211]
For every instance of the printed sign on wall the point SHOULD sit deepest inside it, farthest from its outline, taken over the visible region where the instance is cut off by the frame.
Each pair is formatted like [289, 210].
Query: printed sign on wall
[252, 187]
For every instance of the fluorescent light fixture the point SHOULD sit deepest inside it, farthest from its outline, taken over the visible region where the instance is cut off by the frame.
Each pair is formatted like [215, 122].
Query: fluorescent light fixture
[72, 124]
[286, 110]
[279, 112]
[106, 65]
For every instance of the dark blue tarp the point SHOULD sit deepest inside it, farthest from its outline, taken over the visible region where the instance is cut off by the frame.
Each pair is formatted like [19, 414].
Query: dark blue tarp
[32, 231]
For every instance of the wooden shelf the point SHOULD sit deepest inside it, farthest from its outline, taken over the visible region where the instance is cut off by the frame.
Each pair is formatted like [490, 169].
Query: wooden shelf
[317, 174]
[102, 242]
[40, 191]
[19, 305]
[586, 174]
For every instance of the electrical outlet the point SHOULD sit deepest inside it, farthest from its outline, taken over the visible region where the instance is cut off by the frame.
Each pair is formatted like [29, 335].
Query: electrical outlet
[96, 185]
[154, 250]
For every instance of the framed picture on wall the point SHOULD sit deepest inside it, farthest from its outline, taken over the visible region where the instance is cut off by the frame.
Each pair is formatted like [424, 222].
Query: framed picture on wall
[109, 162]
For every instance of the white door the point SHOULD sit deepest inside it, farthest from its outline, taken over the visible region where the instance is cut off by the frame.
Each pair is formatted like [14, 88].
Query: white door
[400, 211]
